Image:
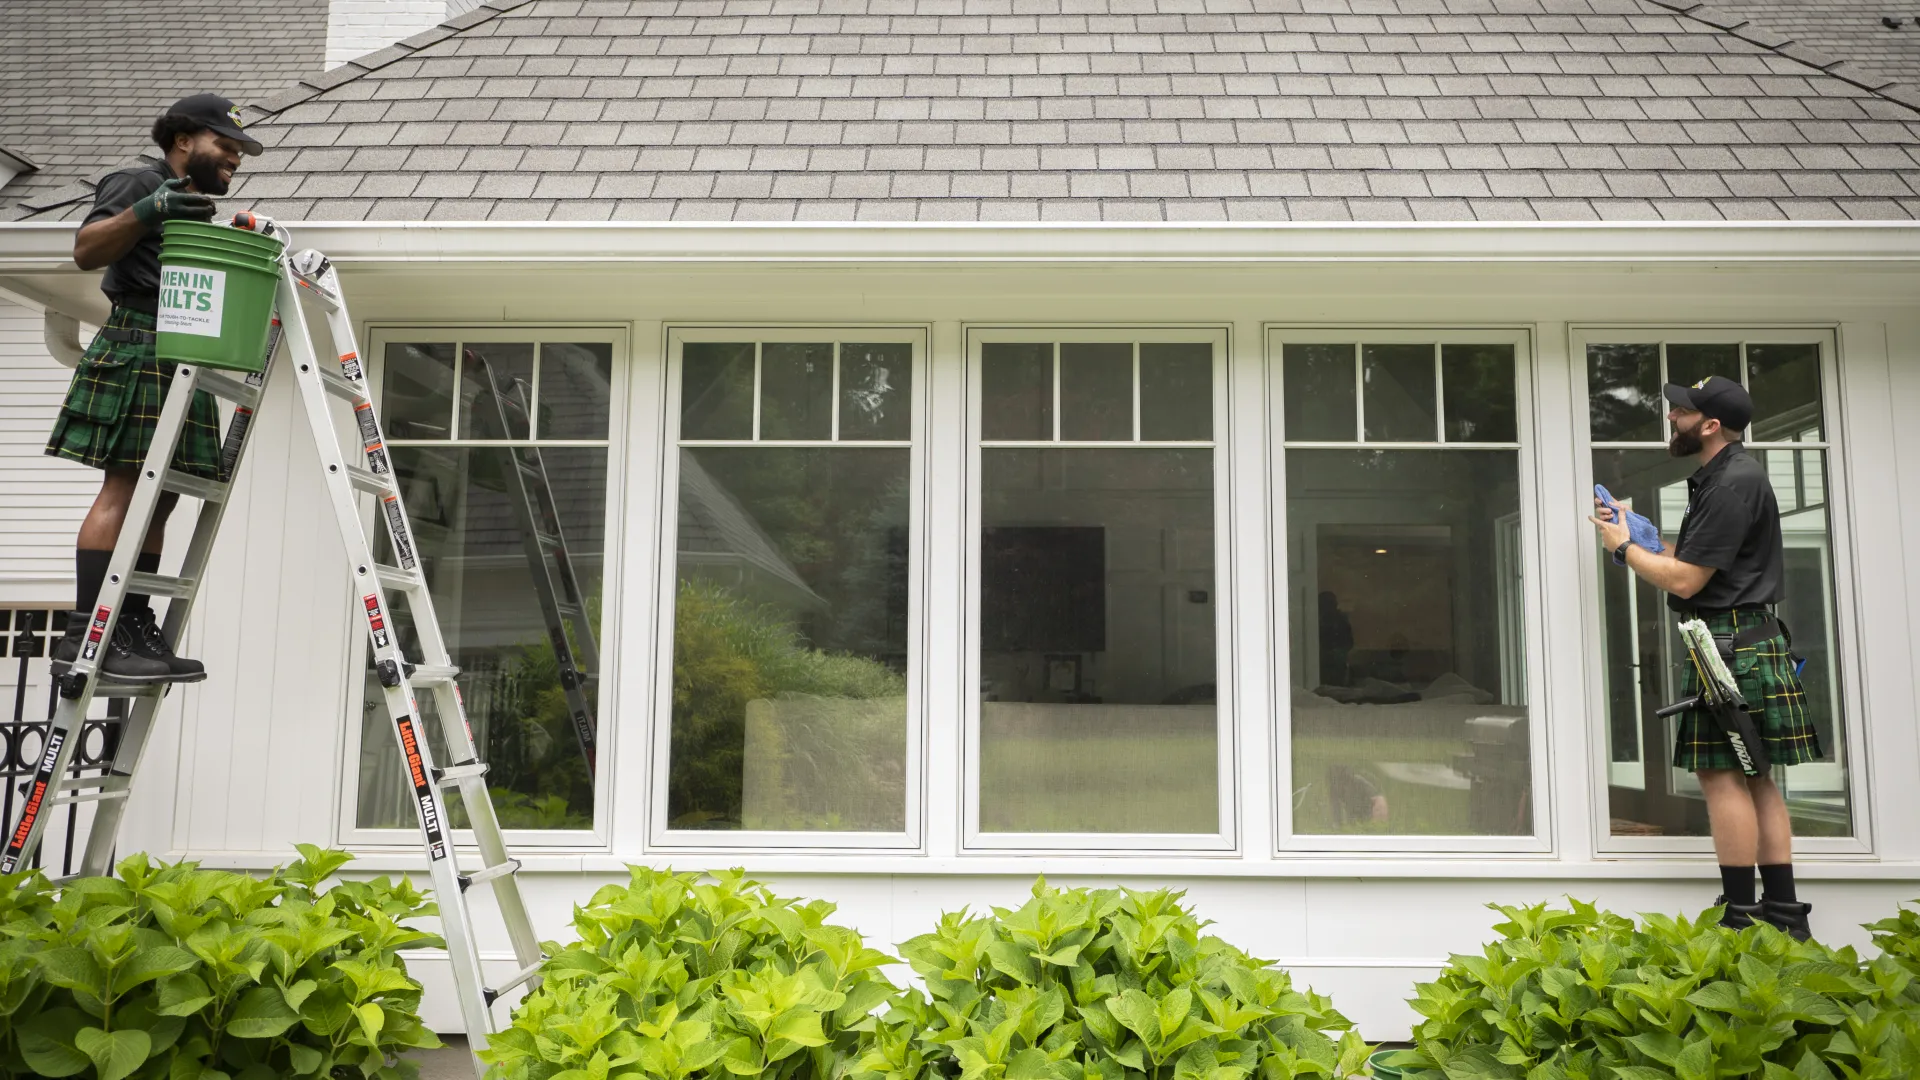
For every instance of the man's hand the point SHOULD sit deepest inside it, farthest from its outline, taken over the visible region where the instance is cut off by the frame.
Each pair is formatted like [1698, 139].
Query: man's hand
[1613, 532]
[172, 202]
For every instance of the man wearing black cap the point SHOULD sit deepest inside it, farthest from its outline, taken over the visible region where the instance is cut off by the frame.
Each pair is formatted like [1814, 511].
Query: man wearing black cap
[1728, 569]
[113, 405]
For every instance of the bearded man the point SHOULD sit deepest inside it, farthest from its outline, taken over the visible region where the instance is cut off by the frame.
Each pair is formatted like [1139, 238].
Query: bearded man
[108, 418]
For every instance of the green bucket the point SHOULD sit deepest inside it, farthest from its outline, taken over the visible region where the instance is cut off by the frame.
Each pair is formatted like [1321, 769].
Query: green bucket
[217, 287]
[1383, 1066]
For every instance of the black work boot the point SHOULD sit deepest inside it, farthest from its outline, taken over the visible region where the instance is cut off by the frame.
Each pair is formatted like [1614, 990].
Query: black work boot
[1789, 916]
[151, 642]
[1740, 916]
[118, 660]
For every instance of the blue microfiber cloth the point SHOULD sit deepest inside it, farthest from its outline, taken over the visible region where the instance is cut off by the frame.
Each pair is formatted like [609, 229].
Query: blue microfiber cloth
[1639, 529]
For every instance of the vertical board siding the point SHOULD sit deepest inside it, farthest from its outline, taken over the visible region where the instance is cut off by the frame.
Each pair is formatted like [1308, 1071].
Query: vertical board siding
[44, 498]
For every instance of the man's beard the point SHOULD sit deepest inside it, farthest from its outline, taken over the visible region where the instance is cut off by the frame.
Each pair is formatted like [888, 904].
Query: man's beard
[1685, 443]
[204, 171]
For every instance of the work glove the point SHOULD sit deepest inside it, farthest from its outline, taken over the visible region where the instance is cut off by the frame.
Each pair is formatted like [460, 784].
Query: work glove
[1639, 529]
[170, 202]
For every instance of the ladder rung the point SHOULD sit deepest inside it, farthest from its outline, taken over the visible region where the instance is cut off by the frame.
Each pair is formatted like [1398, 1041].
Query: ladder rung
[546, 539]
[193, 487]
[107, 688]
[393, 577]
[180, 588]
[321, 296]
[497, 870]
[65, 797]
[463, 770]
[108, 782]
[432, 674]
[226, 386]
[367, 480]
[340, 386]
[525, 973]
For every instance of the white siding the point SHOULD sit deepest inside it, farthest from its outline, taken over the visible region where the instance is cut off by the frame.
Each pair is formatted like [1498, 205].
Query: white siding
[43, 498]
[358, 27]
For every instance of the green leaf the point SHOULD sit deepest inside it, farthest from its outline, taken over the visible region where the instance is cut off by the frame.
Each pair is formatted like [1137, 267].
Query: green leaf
[1720, 997]
[1030, 1064]
[46, 1042]
[261, 1014]
[306, 1060]
[372, 1019]
[115, 1054]
[73, 969]
[152, 962]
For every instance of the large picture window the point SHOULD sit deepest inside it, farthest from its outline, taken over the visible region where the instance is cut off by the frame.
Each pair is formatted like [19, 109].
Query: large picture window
[1099, 720]
[792, 613]
[1785, 373]
[1405, 586]
[500, 440]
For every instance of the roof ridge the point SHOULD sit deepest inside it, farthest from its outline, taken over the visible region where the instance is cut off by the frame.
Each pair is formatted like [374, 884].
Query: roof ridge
[307, 89]
[1752, 33]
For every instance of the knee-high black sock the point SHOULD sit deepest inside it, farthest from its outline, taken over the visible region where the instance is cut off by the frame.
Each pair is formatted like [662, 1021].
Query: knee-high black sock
[147, 563]
[89, 573]
[1778, 880]
[1737, 883]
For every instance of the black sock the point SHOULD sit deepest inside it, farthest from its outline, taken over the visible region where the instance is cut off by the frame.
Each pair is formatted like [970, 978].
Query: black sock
[1779, 882]
[1737, 883]
[147, 563]
[89, 573]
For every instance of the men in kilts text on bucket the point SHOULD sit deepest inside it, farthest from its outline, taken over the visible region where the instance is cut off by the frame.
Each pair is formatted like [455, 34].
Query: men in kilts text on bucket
[110, 412]
[1728, 569]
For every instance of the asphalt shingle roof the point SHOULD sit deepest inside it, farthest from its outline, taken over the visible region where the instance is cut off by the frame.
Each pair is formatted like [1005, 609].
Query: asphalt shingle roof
[1854, 29]
[835, 110]
[81, 82]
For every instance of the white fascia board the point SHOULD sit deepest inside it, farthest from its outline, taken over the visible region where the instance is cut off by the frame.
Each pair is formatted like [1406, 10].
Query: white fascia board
[37, 246]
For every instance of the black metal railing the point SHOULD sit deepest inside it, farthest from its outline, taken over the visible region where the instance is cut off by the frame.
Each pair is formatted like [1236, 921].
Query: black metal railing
[26, 638]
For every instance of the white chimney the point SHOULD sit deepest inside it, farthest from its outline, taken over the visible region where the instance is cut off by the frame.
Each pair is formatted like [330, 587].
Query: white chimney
[358, 27]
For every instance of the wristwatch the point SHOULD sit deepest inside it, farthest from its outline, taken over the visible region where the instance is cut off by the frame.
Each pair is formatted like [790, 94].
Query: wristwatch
[1620, 553]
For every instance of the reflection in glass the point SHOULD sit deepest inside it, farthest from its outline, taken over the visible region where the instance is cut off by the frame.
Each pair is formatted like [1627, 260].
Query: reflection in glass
[1098, 670]
[716, 390]
[1689, 364]
[1623, 394]
[876, 393]
[417, 398]
[1016, 392]
[1321, 404]
[1096, 392]
[790, 654]
[496, 390]
[1408, 633]
[1400, 393]
[1644, 658]
[473, 549]
[796, 391]
[1176, 392]
[1477, 382]
[1784, 381]
[576, 389]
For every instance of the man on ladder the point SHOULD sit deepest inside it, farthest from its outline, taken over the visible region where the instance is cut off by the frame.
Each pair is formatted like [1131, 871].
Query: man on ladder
[108, 418]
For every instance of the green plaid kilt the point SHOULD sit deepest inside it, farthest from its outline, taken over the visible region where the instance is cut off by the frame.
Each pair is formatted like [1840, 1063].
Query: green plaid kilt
[114, 403]
[1774, 696]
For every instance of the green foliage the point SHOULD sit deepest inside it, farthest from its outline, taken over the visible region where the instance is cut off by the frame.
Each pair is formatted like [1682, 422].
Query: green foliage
[726, 653]
[1105, 984]
[171, 972]
[674, 979]
[1581, 994]
[1899, 939]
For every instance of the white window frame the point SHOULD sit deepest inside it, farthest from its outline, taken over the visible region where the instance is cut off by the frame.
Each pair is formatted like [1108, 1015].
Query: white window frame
[1540, 842]
[1226, 840]
[660, 836]
[615, 335]
[1845, 612]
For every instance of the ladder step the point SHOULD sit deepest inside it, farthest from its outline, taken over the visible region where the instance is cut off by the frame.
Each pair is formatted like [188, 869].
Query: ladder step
[392, 577]
[65, 797]
[193, 487]
[367, 480]
[225, 386]
[109, 782]
[463, 770]
[107, 688]
[498, 870]
[546, 539]
[179, 588]
[432, 674]
[493, 993]
[340, 386]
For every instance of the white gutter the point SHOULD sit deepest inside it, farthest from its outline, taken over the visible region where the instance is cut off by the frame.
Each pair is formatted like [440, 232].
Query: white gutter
[62, 335]
[42, 247]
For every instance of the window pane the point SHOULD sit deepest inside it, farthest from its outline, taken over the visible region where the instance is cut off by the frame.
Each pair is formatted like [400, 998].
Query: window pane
[1478, 384]
[796, 391]
[1785, 383]
[1689, 364]
[469, 526]
[1644, 659]
[417, 402]
[876, 393]
[1176, 392]
[790, 640]
[496, 391]
[1097, 660]
[1400, 402]
[1016, 392]
[576, 389]
[1319, 393]
[1408, 636]
[716, 390]
[1096, 392]
[1623, 393]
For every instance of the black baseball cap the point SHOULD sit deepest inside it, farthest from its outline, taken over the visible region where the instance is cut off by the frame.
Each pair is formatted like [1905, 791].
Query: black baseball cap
[218, 115]
[1716, 397]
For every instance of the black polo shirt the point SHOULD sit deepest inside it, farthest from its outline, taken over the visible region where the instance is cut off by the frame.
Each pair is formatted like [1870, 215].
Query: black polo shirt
[132, 280]
[1732, 525]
